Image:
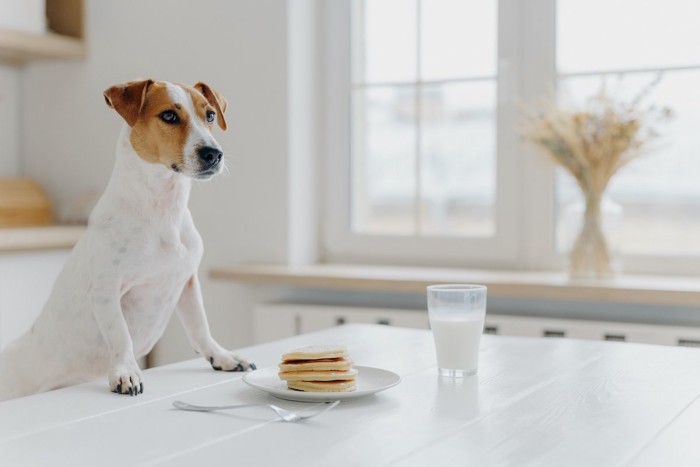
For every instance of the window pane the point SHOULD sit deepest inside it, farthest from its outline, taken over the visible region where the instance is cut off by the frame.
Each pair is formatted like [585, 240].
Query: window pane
[597, 35]
[660, 192]
[384, 160]
[458, 143]
[441, 181]
[387, 40]
[458, 38]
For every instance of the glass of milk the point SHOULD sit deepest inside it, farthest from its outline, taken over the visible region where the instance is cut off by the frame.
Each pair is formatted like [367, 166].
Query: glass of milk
[456, 314]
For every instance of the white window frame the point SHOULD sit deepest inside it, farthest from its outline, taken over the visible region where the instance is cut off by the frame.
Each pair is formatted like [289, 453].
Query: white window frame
[525, 188]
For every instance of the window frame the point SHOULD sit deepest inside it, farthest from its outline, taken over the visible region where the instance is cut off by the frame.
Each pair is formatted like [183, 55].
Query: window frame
[525, 179]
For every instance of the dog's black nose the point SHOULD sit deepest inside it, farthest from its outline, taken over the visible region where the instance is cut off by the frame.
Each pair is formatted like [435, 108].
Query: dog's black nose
[210, 156]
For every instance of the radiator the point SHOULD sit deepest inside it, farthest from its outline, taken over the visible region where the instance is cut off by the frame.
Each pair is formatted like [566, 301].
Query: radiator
[278, 320]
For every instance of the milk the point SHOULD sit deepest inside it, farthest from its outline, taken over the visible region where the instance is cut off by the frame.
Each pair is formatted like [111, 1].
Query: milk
[457, 341]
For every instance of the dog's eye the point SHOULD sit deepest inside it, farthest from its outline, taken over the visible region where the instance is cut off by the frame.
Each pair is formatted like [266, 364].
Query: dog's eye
[211, 116]
[169, 117]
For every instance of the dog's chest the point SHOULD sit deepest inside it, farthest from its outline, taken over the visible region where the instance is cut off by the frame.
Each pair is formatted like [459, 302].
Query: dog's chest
[161, 270]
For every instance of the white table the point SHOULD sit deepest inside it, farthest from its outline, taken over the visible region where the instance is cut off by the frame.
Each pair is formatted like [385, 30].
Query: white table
[540, 402]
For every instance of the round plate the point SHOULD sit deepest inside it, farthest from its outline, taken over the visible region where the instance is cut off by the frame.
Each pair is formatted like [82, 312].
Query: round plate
[369, 381]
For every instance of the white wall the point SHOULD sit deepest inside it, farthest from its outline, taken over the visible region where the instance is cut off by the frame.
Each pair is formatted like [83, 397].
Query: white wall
[303, 90]
[10, 97]
[239, 47]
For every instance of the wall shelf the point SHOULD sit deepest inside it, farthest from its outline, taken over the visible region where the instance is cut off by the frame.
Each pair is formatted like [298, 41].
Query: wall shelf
[21, 47]
[63, 40]
[40, 238]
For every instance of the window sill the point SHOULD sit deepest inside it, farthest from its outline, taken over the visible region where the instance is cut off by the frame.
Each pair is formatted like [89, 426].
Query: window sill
[39, 238]
[657, 290]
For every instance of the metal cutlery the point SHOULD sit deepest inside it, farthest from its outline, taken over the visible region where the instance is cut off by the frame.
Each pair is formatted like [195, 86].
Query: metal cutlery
[284, 414]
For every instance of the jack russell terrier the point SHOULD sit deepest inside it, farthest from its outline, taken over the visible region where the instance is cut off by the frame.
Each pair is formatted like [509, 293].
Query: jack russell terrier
[138, 259]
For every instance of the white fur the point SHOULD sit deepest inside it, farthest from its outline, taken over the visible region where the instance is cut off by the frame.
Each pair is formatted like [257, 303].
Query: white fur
[136, 263]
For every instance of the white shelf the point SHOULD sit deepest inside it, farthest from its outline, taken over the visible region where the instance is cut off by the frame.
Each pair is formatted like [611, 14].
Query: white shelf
[18, 46]
[39, 238]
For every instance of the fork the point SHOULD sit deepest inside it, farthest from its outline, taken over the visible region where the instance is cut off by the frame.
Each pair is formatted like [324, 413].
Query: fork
[284, 414]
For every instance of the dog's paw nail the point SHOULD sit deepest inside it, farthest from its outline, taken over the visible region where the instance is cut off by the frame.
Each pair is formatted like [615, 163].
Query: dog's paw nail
[119, 389]
[131, 391]
[211, 360]
[141, 388]
[217, 368]
[239, 367]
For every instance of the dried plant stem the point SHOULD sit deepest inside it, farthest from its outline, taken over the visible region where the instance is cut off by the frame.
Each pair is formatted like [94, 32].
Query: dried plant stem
[593, 144]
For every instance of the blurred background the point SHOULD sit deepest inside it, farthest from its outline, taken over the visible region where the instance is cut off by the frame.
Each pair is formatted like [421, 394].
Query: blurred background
[366, 134]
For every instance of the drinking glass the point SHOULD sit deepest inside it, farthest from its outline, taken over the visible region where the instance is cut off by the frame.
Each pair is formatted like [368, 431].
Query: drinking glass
[457, 314]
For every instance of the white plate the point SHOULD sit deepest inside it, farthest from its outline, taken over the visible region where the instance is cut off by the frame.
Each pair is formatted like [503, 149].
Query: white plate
[369, 381]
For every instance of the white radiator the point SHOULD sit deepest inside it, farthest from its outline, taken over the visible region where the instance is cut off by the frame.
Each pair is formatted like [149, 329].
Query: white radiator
[277, 320]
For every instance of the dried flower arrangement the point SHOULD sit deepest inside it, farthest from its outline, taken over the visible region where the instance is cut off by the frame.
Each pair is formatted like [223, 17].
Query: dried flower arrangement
[593, 144]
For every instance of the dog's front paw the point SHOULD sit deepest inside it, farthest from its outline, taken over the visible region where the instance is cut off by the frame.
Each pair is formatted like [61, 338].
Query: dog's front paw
[223, 360]
[126, 379]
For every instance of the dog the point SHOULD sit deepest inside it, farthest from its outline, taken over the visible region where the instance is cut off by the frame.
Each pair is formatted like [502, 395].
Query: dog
[137, 261]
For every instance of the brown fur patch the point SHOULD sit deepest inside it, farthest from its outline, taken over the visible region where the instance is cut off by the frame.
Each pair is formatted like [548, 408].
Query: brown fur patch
[215, 99]
[155, 140]
[201, 105]
[128, 98]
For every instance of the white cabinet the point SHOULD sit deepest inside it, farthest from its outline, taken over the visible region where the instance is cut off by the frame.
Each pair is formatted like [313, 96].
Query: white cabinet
[26, 279]
[273, 321]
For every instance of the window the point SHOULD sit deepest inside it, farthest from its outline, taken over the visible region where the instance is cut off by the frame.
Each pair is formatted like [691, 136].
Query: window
[424, 117]
[424, 163]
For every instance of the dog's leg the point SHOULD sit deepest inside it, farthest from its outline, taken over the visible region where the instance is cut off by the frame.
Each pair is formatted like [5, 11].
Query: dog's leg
[190, 309]
[124, 375]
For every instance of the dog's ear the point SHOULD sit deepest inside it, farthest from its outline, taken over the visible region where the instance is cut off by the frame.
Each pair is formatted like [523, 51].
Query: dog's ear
[128, 99]
[216, 100]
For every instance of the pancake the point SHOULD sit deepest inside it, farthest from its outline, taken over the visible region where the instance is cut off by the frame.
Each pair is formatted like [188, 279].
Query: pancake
[318, 375]
[324, 364]
[322, 386]
[316, 352]
[318, 368]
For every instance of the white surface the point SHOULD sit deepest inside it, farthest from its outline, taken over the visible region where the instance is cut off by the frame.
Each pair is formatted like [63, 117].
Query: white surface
[369, 381]
[40, 238]
[540, 402]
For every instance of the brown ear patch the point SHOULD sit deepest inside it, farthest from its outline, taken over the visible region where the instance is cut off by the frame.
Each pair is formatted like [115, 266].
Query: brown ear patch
[216, 100]
[128, 99]
[155, 141]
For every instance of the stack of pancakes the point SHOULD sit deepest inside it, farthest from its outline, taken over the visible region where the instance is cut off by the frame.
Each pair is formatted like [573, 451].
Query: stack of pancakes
[318, 368]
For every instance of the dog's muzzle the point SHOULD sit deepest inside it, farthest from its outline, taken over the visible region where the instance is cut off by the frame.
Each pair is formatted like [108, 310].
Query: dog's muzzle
[210, 160]
[209, 157]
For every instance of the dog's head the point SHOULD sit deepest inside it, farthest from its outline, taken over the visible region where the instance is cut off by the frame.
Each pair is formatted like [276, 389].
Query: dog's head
[171, 124]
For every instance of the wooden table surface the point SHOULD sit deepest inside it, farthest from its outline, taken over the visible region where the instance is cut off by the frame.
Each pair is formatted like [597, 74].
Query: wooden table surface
[534, 402]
